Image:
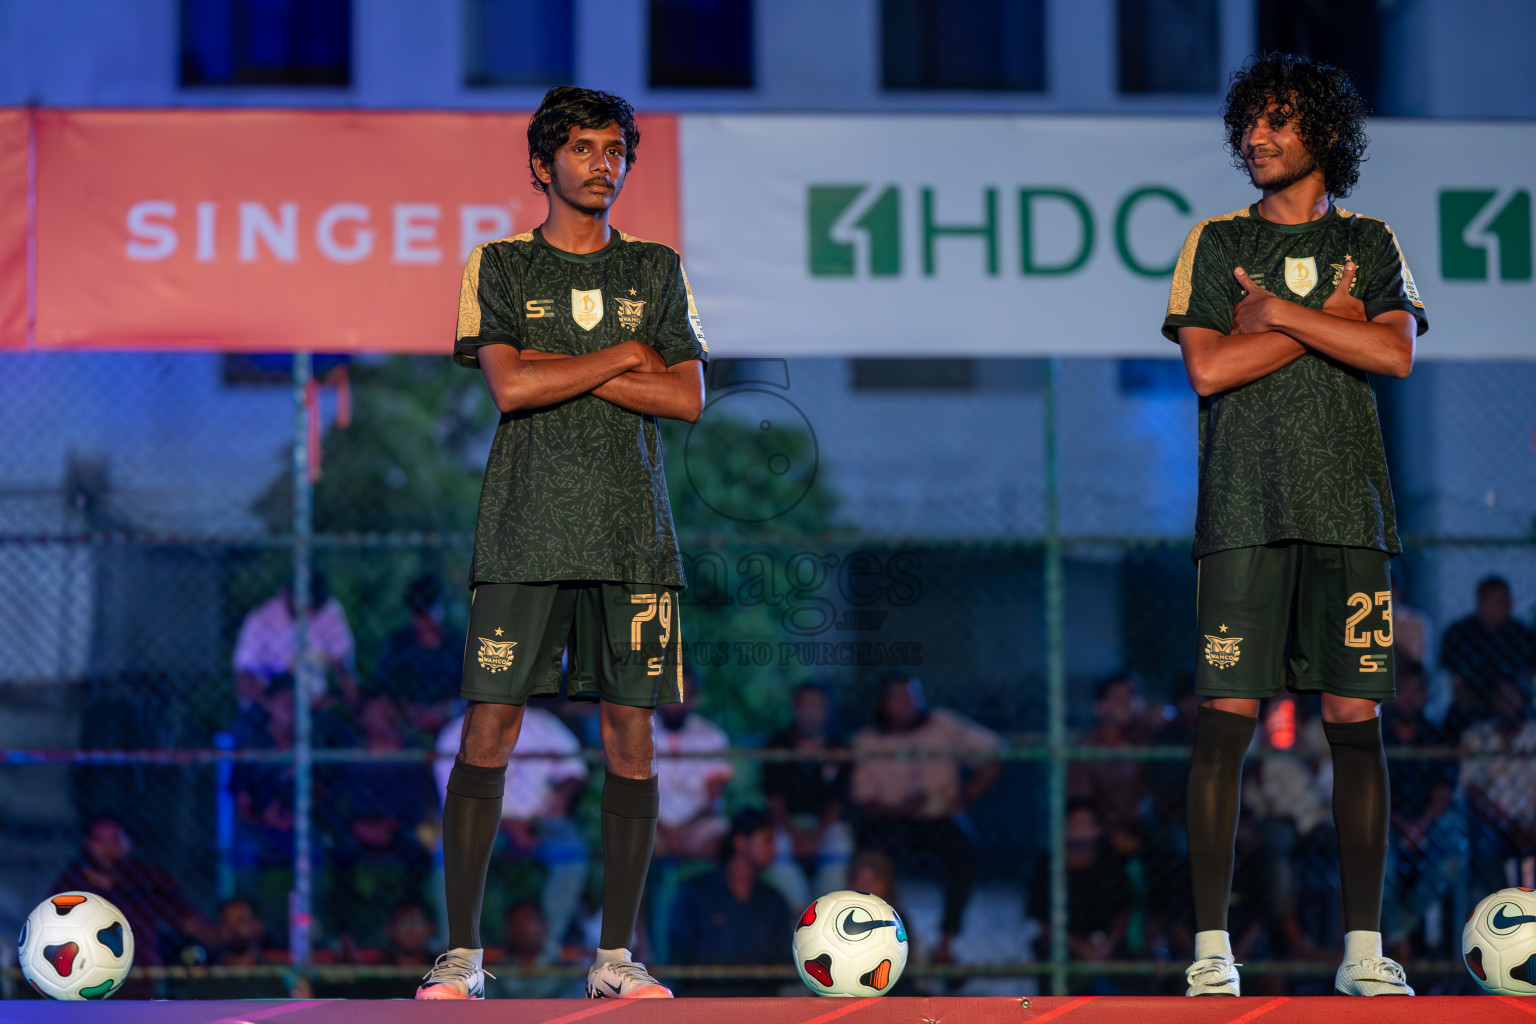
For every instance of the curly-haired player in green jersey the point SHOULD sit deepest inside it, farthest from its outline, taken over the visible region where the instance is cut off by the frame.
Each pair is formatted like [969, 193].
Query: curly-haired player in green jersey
[1284, 311]
[585, 336]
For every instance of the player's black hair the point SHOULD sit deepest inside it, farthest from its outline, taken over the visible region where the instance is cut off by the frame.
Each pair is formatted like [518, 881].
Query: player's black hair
[748, 822]
[423, 592]
[812, 686]
[1488, 584]
[1326, 109]
[567, 106]
[1108, 683]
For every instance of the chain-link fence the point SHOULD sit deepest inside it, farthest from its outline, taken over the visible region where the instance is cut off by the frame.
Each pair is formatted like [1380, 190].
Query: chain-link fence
[1011, 533]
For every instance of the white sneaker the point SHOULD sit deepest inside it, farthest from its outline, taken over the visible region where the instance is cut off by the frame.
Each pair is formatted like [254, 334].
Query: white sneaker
[1372, 976]
[453, 977]
[624, 979]
[1213, 976]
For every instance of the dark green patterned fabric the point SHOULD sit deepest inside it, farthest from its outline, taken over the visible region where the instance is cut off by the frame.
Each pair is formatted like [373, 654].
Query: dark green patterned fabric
[1297, 454]
[576, 491]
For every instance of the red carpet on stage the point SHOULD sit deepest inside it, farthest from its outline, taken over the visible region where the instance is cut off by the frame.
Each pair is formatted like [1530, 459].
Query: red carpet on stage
[1081, 1010]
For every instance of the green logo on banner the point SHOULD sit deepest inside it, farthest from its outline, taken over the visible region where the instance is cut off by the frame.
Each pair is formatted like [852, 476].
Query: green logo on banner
[833, 249]
[856, 230]
[1509, 225]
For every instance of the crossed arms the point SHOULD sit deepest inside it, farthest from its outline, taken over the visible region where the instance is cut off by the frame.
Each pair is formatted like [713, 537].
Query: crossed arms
[630, 374]
[1268, 333]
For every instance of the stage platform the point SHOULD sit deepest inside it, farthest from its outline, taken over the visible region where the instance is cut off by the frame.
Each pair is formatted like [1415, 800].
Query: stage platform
[1081, 1010]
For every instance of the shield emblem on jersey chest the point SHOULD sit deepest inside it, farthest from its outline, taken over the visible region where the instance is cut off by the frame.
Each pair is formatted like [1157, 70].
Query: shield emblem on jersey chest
[587, 307]
[1301, 275]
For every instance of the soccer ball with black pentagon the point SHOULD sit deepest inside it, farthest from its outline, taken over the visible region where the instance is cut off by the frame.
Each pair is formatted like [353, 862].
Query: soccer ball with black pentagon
[1498, 943]
[850, 944]
[75, 945]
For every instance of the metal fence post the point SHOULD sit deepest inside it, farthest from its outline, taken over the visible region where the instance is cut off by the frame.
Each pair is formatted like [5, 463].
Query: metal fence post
[1056, 685]
[299, 899]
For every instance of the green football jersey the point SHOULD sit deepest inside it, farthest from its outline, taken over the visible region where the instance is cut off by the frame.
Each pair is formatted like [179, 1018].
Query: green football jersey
[1296, 454]
[576, 491]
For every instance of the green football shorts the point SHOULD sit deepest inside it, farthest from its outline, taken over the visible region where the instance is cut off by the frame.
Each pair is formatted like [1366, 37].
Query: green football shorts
[623, 640]
[1304, 617]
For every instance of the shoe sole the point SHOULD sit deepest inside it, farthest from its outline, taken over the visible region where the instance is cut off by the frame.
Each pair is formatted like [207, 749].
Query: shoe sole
[426, 994]
[649, 992]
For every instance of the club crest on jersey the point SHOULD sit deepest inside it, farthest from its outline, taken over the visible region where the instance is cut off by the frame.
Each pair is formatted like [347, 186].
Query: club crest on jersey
[495, 655]
[1222, 651]
[1301, 275]
[629, 312]
[587, 307]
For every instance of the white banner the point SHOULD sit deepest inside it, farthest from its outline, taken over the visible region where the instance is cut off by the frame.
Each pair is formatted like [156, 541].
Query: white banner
[981, 235]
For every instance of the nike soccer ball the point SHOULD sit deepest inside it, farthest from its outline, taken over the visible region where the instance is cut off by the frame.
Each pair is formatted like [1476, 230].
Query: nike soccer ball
[1499, 943]
[75, 945]
[850, 944]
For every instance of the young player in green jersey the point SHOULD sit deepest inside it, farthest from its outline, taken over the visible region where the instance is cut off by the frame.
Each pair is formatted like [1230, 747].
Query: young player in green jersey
[585, 336]
[1283, 311]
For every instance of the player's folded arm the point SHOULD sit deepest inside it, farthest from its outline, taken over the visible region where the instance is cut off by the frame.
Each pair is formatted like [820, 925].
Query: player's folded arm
[1216, 361]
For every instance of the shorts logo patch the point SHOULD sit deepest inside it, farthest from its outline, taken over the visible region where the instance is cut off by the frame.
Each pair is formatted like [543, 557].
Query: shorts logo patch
[1222, 651]
[495, 655]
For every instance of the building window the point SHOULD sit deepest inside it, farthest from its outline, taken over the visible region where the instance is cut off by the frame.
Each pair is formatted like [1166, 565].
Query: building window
[914, 374]
[1344, 33]
[266, 42]
[1170, 46]
[991, 45]
[701, 44]
[519, 42]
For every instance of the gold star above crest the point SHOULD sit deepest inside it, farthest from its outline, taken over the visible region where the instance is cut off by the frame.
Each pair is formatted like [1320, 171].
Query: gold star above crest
[633, 292]
[1223, 629]
[498, 630]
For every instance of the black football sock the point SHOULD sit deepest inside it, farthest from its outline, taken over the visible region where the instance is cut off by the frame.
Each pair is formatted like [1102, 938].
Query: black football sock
[1215, 777]
[1362, 806]
[471, 816]
[629, 832]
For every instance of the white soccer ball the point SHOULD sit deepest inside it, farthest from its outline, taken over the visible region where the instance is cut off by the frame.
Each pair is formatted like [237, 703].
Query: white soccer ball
[850, 944]
[1498, 943]
[75, 945]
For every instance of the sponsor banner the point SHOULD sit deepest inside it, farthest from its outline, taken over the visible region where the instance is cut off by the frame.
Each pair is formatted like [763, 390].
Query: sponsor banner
[13, 228]
[983, 235]
[263, 230]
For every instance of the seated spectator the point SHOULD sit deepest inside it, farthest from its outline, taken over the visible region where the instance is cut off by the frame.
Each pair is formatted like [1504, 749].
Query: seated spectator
[265, 647]
[261, 853]
[241, 937]
[409, 934]
[421, 664]
[545, 778]
[1428, 845]
[1290, 802]
[239, 940]
[807, 801]
[1118, 790]
[689, 824]
[1100, 896]
[1411, 629]
[163, 920]
[1483, 650]
[372, 810]
[521, 972]
[730, 915]
[873, 872]
[914, 808]
[1501, 792]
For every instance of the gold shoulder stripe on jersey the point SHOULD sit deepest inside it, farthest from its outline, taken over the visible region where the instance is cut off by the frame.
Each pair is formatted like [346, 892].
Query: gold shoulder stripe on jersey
[469, 296]
[693, 311]
[1180, 291]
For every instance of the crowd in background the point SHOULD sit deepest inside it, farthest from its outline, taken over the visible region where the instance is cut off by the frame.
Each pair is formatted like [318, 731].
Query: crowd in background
[736, 859]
